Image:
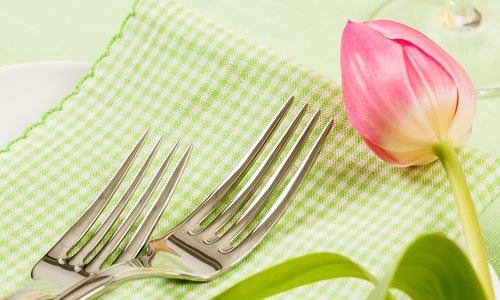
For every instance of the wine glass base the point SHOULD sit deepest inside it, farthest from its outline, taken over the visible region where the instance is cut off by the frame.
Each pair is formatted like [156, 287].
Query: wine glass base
[476, 48]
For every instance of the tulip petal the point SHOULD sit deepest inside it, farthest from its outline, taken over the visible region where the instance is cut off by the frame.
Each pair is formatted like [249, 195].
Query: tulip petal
[466, 106]
[403, 159]
[382, 153]
[434, 88]
[375, 93]
[379, 97]
[402, 92]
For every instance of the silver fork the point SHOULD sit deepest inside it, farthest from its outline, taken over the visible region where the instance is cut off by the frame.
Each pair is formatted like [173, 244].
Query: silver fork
[56, 270]
[193, 252]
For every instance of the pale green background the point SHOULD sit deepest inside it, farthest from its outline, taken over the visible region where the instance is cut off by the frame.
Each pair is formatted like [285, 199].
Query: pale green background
[306, 31]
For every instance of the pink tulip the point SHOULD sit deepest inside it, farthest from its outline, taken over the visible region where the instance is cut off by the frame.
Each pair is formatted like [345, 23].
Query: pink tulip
[412, 103]
[403, 93]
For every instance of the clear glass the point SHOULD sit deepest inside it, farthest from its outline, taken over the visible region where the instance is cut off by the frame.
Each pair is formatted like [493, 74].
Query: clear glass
[468, 30]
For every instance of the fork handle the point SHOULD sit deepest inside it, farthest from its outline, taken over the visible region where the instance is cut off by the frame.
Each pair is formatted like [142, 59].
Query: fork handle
[100, 281]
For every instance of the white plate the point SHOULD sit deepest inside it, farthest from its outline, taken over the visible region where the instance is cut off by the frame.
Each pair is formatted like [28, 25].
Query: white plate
[28, 90]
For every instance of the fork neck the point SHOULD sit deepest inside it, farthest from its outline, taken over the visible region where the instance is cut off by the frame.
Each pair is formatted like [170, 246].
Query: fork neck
[100, 281]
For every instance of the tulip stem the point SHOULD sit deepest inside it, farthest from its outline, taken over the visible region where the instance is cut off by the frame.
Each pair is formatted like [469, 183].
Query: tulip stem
[468, 217]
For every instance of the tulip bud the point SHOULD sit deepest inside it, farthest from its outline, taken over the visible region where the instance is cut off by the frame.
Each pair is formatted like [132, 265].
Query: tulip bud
[402, 92]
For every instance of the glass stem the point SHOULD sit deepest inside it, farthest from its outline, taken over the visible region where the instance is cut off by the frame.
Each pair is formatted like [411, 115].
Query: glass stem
[461, 15]
[445, 151]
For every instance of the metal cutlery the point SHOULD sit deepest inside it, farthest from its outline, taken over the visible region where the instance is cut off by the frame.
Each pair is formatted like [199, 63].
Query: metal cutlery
[58, 270]
[197, 252]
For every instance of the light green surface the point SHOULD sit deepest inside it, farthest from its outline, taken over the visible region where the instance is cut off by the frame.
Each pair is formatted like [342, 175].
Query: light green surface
[33, 30]
[306, 31]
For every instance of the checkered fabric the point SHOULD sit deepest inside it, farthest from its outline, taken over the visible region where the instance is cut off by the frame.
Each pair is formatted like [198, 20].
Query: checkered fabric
[177, 73]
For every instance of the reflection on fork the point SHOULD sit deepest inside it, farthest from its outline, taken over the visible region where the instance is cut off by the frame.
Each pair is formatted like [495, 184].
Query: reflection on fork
[56, 270]
[195, 252]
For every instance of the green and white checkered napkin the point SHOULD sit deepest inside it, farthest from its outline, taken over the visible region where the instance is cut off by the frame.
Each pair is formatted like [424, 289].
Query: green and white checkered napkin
[175, 72]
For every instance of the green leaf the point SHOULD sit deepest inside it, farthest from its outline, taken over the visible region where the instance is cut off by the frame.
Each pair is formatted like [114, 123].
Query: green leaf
[294, 273]
[432, 267]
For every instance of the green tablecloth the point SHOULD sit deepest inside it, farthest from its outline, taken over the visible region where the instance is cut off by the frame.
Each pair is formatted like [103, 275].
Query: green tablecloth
[336, 221]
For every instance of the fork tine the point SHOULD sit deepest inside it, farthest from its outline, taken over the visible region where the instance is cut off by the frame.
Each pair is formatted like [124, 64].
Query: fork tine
[75, 233]
[239, 200]
[235, 176]
[258, 204]
[81, 255]
[111, 245]
[142, 234]
[279, 206]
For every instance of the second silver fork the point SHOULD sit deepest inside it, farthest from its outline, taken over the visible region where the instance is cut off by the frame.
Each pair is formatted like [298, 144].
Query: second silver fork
[197, 252]
[58, 270]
